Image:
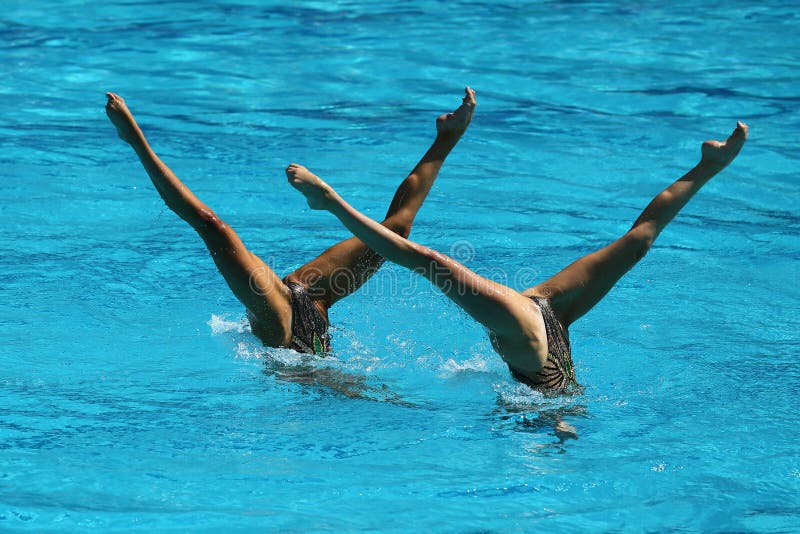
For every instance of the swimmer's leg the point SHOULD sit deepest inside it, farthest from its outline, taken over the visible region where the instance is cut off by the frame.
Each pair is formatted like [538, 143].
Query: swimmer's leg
[344, 267]
[581, 285]
[508, 314]
[254, 284]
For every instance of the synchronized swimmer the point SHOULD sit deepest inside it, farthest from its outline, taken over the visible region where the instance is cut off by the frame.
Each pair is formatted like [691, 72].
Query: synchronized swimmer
[528, 329]
[293, 311]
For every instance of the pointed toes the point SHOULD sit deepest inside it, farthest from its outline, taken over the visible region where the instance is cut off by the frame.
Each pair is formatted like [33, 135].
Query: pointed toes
[742, 127]
[469, 96]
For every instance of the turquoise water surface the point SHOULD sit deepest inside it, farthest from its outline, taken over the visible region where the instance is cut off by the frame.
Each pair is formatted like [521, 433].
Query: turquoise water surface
[134, 398]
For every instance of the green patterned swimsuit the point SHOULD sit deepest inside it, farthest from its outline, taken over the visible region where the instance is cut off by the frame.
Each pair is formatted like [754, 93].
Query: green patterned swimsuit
[309, 327]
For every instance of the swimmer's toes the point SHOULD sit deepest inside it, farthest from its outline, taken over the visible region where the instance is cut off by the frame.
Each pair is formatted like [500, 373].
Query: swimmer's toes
[469, 97]
[723, 152]
[457, 121]
[316, 191]
[742, 130]
[116, 104]
[121, 118]
[113, 99]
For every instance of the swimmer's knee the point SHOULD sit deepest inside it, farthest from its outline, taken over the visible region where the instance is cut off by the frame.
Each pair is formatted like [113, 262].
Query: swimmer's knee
[638, 241]
[428, 261]
[401, 229]
[427, 254]
[206, 221]
[214, 231]
[399, 226]
[415, 257]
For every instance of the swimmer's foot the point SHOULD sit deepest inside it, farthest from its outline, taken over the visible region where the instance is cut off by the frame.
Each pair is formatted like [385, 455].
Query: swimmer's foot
[565, 431]
[719, 154]
[456, 123]
[318, 194]
[122, 118]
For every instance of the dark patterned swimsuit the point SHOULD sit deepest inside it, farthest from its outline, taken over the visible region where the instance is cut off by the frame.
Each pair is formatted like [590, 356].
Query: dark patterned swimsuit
[309, 327]
[558, 374]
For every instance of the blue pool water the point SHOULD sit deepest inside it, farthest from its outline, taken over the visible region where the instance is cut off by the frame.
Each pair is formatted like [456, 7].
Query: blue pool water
[132, 397]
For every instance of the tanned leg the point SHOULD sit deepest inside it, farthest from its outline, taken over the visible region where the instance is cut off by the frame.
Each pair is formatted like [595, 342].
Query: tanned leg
[344, 267]
[516, 323]
[257, 287]
[581, 285]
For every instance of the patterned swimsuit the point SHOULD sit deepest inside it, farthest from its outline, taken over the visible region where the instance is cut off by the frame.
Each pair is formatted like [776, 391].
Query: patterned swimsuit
[309, 327]
[310, 335]
[558, 374]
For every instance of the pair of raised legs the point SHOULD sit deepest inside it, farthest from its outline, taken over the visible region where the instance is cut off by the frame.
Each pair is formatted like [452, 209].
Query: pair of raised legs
[515, 323]
[336, 273]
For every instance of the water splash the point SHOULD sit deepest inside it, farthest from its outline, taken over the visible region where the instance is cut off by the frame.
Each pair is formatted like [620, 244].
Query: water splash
[221, 325]
[476, 363]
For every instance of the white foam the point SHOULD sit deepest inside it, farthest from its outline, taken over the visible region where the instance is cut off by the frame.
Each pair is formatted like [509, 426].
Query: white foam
[477, 363]
[220, 325]
[519, 395]
[246, 351]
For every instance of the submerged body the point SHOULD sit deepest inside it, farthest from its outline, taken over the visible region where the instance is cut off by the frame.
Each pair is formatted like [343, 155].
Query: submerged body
[529, 329]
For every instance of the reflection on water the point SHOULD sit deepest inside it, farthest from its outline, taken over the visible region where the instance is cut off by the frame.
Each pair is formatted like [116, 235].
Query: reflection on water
[307, 371]
[533, 412]
[322, 373]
